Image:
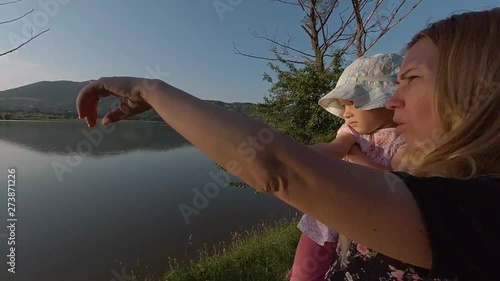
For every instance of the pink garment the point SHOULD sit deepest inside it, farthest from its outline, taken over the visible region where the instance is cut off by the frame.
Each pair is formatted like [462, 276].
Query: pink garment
[379, 146]
[311, 260]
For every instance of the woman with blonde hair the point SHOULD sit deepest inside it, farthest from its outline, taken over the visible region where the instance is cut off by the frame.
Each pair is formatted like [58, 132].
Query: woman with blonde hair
[442, 217]
[464, 116]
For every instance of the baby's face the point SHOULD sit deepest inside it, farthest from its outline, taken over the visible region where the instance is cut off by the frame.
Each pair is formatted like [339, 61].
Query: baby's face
[366, 121]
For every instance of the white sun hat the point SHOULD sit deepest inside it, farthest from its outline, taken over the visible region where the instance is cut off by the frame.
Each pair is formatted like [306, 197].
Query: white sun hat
[369, 82]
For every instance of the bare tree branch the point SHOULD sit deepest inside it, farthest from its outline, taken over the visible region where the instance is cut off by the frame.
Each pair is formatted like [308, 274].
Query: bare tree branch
[323, 21]
[356, 26]
[306, 30]
[302, 6]
[284, 45]
[264, 58]
[285, 2]
[336, 36]
[13, 20]
[11, 2]
[18, 47]
[387, 24]
[16, 19]
[360, 30]
[407, 13]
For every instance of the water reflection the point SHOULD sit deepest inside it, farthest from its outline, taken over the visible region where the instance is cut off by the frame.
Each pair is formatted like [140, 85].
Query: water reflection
[69, 137]
[114, 208]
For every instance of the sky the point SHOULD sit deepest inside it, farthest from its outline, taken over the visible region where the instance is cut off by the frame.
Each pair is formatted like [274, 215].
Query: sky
[187, 43]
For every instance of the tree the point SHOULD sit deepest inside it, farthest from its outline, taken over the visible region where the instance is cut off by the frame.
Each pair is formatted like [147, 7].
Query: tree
[367, 21]
[358, 29]
[32, 37]
[292, 106]
[6, 116]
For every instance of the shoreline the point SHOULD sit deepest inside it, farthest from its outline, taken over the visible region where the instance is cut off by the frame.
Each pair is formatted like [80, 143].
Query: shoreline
[71, 120]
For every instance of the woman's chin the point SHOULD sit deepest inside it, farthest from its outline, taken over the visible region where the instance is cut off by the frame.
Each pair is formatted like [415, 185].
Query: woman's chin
[401, 128]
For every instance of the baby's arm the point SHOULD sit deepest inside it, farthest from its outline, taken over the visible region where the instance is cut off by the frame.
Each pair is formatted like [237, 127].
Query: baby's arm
[338, 148]
[357, 156]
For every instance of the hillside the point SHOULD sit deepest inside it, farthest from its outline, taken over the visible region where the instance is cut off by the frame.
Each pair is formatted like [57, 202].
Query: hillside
[58, 98]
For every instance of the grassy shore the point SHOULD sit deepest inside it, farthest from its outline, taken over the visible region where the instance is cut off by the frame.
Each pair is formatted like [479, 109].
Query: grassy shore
[263, 253]
[32, 116]
[27, 116]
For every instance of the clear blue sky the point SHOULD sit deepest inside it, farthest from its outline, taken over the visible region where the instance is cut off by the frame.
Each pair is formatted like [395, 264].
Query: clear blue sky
[185, 38]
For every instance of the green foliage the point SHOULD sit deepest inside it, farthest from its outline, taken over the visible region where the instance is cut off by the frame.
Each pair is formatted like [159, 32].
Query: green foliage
[292, 106]
[5, 116]
[32, 115]
[234, 183]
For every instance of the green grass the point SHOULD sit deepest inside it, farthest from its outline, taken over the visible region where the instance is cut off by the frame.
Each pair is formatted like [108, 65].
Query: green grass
[263, 253]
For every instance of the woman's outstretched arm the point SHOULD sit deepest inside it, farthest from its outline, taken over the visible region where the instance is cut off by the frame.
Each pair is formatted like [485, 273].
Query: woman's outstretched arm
[367, 205]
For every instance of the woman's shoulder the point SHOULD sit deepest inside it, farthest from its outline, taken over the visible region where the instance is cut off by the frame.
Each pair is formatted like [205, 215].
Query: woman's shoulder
[490, 180]
[456, 212]
[477, 196]
[489, 177]
[480, 186]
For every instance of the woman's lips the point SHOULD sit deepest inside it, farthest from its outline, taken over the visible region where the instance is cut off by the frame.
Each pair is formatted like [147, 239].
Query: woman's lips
[400, 127]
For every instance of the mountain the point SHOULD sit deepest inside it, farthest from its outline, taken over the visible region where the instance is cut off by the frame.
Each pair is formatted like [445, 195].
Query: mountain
[58, 97]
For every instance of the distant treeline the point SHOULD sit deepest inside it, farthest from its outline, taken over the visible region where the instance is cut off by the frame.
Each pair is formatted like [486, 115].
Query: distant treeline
[151, 115]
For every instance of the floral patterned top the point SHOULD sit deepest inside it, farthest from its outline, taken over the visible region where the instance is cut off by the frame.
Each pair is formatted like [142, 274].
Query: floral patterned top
[365, 264]
[379, 146]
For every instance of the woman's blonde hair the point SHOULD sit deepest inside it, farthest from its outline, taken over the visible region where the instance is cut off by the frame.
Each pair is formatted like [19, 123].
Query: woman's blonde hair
[466, 101]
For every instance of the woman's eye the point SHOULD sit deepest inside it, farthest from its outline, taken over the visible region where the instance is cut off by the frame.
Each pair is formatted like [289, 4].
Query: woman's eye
[410, 78]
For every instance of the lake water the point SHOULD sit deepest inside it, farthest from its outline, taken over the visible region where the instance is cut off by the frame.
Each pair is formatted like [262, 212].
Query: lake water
[91, 202]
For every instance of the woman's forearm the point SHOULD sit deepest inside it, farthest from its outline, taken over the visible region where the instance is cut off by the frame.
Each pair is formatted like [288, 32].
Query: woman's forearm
[357, 201]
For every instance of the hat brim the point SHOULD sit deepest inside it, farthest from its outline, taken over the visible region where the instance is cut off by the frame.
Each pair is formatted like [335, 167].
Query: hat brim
[364, 96]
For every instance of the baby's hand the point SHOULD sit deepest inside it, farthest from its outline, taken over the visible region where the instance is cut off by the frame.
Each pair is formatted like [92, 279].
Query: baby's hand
[355, 151]
[357, 156]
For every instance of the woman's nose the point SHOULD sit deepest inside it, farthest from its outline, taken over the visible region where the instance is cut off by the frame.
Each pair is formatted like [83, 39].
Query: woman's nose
[394, 102]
